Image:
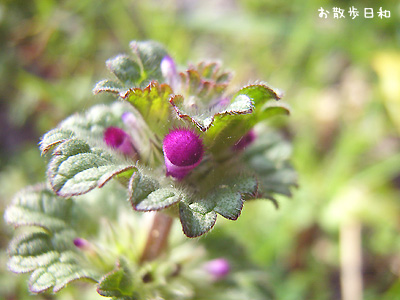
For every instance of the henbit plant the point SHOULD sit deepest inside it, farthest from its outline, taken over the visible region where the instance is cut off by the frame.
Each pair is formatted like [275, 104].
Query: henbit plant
[178, 144]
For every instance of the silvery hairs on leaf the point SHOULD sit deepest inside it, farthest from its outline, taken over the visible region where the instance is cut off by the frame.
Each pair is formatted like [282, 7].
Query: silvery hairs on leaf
[46, 250]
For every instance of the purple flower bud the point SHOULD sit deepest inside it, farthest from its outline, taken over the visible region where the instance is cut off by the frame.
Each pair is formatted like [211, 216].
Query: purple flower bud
[81, 244]
[168, 70]
[245, 141]
[218, 268]
[220, 103]
[117, 138]
[183, 151]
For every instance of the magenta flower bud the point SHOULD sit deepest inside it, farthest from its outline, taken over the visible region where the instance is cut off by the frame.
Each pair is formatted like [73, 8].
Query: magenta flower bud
[245, 141]
[168, 70]
[81, 244]
[218, 268]
[183, 151]
[220, 103]
[118, 139]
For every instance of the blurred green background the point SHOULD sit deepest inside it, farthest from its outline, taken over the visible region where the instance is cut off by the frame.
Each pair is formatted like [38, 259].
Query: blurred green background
[341, 78]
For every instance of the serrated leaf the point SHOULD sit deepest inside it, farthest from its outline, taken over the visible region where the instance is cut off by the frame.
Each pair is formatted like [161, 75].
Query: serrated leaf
[241, 104]
[50, 255]
[265, 100]
[204, 119]
[195, 223]
[230, 129]
[53, 138]
[205, 90]
[198, 215]
[91, 125]
[268, 158]
[57, 275]
[244, 184]
[148, 54]
[212, 71]
[279, 182]
[259, 93]
[152, 103]
[136, 71]
[229, 196]
[125, 69]
[118, 283]
[30, 251]
[36, 207]
[110, 86]
[229, 203]
[140, 186]
[159, 199]
[76, 168]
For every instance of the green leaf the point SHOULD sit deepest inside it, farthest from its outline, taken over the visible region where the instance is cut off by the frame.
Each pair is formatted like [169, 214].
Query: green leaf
[268, 158]
[31, 251]
[198, 214]
[91, 124]
[58, 275]
[53, 138]
[246, 185]
[212, 71]
[76, 168]
[265, 100]
[203, 119]
[152, 103]
[140, 186]
[259, 93]
[125, 69]
[36, 207]
[136, 71]
[264, 104]
[110, 86]
[229, 203]
[118, 283]
[159, 199]
[149, 54]
[241, 104]
[230, 195]
[50, 254]
[195, 221]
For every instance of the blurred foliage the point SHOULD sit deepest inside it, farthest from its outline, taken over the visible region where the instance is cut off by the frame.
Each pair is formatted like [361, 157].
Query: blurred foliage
[341, 77]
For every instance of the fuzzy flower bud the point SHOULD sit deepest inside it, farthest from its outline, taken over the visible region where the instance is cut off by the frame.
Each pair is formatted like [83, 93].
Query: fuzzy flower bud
[81, 243]
[118, 139]
[168, 70]
[218, 268]
[183, 151]
[245, 141]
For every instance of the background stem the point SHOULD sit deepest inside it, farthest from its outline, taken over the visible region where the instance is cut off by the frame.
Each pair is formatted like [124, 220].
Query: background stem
[158, 237]
[351, 261]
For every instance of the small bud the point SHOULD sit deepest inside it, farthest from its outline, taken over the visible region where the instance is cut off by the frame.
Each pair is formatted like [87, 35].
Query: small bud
[81, 244]
[245, 141]
[168, 70]
[220, 103]
[183, 151]
[118, 139]
[218, 268]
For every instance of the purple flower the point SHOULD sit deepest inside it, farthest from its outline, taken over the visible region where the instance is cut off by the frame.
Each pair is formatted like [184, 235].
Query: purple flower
[81, 244]
[218, 268]
[168, 70]
[245, 141]
[183, 151]
[118, 139]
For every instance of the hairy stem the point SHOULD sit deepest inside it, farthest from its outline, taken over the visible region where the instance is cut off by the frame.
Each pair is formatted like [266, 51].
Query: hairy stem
[158, 237]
